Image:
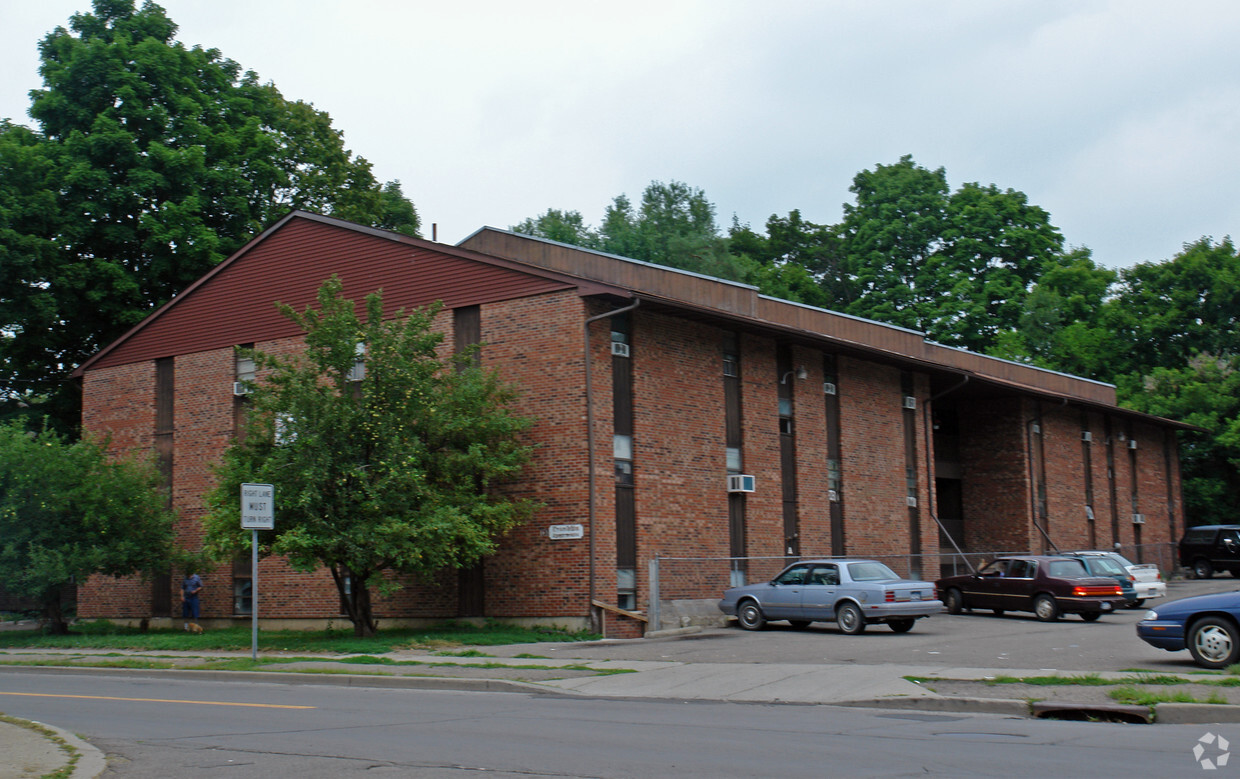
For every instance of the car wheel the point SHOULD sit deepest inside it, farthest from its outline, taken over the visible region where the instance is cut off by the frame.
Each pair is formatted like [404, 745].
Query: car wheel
[749, 615]
[1235, 572]
[998, 612]
[1214, 642]
[1202, 569]
[799, 624]
[1091, 616]
[1136, 604]
[901, 625]
[1045, 607]
[850, 619]
[954, 601]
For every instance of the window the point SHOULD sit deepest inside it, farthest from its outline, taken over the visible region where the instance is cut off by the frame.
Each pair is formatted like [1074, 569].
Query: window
[794, 575]
[285, 431]
[870, 572]
[825, 574]
[626, 588]
[358, 371]
[243, 585]
[1067, 569]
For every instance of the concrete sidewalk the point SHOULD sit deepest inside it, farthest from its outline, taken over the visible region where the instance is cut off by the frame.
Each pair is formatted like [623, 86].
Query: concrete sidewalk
[527, 669]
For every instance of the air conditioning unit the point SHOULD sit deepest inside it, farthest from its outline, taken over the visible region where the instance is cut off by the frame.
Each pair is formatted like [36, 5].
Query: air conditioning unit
[619, 349]
[1132, 443]
[828, 388]
[740, 482]
[911, 501]
[1087, 436]
[833, 496]
[910, 402]
[1138, 519]
[239, 388]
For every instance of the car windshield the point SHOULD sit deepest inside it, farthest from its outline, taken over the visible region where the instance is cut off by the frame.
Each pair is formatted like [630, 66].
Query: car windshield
[1124, 561]
[1067, 569]
[1105, 566]
[870, 572]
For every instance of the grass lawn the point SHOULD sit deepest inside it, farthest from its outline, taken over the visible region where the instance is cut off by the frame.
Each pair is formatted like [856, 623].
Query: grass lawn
[106, 635]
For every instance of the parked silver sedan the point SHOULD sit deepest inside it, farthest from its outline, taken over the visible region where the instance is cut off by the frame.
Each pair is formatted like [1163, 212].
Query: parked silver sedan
[851, 593]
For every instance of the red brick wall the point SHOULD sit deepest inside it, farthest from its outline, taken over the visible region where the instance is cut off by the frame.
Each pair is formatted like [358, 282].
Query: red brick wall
[876, 515]
[536, 342]
[995, 471]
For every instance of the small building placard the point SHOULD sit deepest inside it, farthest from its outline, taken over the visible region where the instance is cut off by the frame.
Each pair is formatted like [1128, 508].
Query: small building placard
[564, 532]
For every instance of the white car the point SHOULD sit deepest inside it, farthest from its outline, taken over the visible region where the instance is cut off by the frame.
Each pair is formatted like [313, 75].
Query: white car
[1146, 577]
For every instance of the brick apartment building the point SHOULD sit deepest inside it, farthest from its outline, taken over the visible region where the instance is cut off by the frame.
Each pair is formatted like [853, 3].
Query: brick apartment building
[720, 424]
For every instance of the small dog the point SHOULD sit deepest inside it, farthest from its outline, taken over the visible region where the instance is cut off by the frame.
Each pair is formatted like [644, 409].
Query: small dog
[194, 627]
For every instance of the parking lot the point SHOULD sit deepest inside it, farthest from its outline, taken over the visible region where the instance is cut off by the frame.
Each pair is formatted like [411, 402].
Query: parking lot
[981, 640]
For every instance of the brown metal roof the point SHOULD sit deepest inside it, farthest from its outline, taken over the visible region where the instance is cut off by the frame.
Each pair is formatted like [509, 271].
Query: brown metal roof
[235, 302]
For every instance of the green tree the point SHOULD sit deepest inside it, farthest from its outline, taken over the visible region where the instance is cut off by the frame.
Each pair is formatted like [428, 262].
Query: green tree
[68, 512]
[955, 265]
[564, 226]
[1165, 313]
[1204, 392]
[163, 160]
[890, 235]
[796, 260]
[396, 473]
[1061, 325]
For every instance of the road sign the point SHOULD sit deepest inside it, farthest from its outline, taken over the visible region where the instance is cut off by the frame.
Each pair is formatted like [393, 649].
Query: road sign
[258, 507]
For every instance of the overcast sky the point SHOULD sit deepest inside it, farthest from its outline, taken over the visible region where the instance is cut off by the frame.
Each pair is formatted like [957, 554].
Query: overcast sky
[1119, 117]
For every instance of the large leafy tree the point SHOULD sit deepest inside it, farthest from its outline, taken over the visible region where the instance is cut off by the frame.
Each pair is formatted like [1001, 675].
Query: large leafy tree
[394, 467]
[674, 225]
[955, 265]
[1205, 392]
[795, 260]
[162, 160]
[68, 511]
[562, 226]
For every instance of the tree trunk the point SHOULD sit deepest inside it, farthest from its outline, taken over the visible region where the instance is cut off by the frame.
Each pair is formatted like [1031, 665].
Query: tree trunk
[356, 599]
[54, 621]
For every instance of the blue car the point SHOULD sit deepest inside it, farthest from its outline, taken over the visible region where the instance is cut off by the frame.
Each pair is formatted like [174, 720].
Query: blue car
[852, 593]
[1207, 625]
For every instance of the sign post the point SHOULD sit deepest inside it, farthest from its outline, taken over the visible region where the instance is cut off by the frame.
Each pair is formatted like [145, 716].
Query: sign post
[258, 512]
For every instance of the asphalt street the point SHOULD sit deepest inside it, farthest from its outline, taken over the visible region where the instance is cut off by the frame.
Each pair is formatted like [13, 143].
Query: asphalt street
[156, 728]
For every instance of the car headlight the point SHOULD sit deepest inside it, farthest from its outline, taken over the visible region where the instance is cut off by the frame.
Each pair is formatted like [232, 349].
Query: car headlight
[1150, 615]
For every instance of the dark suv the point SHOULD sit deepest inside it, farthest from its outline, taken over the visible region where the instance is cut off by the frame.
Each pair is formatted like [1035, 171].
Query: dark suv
[1208, 548]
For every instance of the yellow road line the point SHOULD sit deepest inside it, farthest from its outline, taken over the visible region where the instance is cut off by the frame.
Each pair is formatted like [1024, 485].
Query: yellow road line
[157, 700]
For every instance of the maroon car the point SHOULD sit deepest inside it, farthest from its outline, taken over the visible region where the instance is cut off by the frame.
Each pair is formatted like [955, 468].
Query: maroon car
[1047, 586]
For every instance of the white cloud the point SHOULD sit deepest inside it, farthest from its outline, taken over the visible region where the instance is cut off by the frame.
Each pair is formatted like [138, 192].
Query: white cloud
[1114, 115]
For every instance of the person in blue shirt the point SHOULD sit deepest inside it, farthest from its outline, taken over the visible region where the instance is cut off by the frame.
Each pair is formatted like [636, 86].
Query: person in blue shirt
[190, 606]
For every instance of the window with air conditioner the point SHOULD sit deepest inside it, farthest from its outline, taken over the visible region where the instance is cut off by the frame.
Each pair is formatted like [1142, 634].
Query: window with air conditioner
[741, 482]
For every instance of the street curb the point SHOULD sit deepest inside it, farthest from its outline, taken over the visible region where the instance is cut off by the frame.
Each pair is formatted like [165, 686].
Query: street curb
[456, 683]
[91, 761]
[1008, 706]
[1195, 713]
